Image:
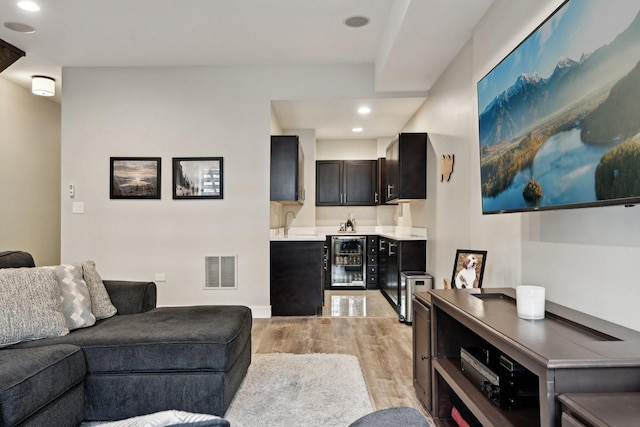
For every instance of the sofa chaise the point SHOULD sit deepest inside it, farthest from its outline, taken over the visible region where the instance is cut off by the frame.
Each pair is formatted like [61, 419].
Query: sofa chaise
[139, 361]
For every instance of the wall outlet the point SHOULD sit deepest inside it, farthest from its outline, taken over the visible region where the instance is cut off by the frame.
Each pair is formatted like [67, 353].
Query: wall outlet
[160, 277]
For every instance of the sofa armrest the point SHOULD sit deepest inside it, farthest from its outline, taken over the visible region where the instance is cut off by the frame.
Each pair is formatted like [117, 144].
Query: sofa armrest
[131, 297]
[16, 259]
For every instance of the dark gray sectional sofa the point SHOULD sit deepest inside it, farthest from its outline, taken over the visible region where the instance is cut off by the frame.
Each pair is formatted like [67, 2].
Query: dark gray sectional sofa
[142, 360]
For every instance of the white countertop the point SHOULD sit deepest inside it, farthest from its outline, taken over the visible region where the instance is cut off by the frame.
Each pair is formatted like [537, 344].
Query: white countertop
[321, 233]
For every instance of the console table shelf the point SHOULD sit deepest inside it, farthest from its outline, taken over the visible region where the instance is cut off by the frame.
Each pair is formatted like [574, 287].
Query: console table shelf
[449, 372]
[568, 352]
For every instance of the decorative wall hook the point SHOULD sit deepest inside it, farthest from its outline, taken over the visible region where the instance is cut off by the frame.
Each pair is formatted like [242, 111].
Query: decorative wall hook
[446, 167]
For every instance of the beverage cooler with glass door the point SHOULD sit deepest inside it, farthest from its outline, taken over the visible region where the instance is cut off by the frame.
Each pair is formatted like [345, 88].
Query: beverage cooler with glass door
[348, 266]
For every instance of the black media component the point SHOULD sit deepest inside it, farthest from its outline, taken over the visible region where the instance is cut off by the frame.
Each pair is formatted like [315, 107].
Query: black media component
[504, 381]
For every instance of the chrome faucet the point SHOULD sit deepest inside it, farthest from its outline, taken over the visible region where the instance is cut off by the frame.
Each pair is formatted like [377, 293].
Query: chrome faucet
[286, 227]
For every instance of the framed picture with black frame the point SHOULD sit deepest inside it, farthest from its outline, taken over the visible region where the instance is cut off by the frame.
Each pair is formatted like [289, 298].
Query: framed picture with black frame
[468, 269]
[135, 177]
[197, 178]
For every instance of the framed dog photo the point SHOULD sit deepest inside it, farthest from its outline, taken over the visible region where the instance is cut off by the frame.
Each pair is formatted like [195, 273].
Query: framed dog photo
[468, 269]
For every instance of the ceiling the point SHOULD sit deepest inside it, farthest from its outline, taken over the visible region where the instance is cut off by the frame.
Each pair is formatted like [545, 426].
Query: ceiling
[410, 42]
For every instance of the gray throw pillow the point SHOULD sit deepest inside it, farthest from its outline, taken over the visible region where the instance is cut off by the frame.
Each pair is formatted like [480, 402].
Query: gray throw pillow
[31, 307]
[76, 301]
[101, 305]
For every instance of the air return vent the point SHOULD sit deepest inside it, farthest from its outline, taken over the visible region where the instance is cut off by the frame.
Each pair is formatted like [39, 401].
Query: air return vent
[220, 272]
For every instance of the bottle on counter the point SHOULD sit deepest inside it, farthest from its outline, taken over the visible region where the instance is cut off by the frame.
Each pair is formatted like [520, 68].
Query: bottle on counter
[351, 223]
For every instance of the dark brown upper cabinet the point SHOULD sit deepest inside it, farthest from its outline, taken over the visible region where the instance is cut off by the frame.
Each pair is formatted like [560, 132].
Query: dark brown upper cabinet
[382, 181]
[287, 170]
[346, 182]
[406, 165]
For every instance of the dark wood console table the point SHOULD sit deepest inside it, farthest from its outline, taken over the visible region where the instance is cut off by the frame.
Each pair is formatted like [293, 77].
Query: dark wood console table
[600, 409]
[568, 351]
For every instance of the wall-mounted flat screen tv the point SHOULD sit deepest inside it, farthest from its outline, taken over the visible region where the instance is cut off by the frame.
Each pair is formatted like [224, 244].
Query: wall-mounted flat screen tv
[559, 117]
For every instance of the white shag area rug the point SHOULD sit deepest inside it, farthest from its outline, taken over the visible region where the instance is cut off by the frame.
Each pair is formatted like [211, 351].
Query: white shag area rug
[313, 390]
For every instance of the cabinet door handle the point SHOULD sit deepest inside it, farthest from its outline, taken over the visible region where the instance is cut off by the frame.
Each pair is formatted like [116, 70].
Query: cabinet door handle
[381, 245]
[391, 246]
[389, 187]
[375, 199]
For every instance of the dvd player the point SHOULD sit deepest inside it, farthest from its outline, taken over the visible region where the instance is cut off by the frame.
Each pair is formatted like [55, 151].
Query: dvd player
[504, 381]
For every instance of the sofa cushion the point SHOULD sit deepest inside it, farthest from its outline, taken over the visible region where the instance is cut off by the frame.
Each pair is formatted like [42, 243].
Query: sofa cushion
[156, 341]
[31, 307]
[101, 305]
[212, 336]
[76, 301]
[31, 378]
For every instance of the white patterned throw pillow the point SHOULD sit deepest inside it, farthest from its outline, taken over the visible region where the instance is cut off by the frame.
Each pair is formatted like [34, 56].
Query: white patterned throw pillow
[101, 305]
[158, 419]
[30, 305]
[76, 301]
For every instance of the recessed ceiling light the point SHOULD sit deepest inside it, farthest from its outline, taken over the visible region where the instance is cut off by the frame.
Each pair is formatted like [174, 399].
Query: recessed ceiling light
[29, 6]
[20, 27]
[364, 110]
[356, 21]
[356, 130]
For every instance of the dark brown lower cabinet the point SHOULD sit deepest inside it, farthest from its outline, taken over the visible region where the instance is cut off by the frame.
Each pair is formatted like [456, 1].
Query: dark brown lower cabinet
[296, 278]
[422, 349]
[394, 257]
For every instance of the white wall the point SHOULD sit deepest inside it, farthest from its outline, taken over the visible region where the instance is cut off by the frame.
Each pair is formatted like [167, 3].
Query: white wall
[175, 112]
[29, 174]
[452, 211]
[348, 149]
[582, 257]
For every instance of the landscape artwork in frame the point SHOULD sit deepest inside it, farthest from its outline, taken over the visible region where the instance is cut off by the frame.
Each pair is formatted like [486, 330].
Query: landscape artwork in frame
[135, 177]
[468, 269]
[559, 117]
[197, 178]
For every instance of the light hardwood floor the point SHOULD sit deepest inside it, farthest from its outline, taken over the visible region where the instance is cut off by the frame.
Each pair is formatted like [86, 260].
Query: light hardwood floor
[382, 344]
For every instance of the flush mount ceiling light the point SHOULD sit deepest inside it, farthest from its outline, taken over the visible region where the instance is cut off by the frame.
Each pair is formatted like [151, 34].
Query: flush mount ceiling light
[364, 110]
[356, 21]
[29, 6]
[20, 27]
[357, 130]
[43, 86]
